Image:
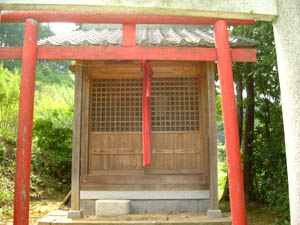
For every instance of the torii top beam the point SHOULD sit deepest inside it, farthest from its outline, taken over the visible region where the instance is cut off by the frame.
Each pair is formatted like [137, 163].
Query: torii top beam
[234, 9]
[89, 17]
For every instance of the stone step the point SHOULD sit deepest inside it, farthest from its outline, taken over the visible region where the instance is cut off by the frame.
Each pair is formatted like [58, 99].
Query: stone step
[112, 207]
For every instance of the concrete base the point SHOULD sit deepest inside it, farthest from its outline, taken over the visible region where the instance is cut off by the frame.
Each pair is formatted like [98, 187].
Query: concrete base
[169, 206]
[156, 206]
[214, 213]
[112, 207]
[142, 195]
[75, 214]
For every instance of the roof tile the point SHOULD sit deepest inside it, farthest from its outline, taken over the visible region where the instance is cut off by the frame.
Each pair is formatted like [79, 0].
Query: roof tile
[160, 36]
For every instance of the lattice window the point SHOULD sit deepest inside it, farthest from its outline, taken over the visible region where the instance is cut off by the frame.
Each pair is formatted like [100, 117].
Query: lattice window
[175, 104]
[117, 104]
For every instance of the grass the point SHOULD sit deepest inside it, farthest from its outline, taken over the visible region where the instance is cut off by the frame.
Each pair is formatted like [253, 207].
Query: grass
[38, 210]
[222, 175]
[257, 214]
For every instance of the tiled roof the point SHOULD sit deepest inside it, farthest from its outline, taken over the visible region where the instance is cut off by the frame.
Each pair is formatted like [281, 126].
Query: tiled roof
[145, 36]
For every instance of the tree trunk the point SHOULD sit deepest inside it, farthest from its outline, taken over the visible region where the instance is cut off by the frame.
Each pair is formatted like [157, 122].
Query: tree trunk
[248, 143]
[267, 122]
[239, 108]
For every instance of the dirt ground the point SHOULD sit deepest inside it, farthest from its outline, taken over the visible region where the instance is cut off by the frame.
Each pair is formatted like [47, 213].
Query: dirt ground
[257, 214]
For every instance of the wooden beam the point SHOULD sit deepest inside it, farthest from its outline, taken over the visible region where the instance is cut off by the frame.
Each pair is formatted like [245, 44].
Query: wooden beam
[204, 135]
[243, 55]
[8, 53]
[94, 17]
[129, 35]
[212, 135]
[75, 203]
[129, 53]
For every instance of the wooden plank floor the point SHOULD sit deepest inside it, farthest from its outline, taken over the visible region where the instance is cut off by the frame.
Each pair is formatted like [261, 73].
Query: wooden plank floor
[137, 219]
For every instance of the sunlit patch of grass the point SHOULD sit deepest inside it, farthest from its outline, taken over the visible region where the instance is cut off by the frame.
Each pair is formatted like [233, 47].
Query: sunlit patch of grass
[222, 175]
[257, 214]
[38, 209]
[222, 169]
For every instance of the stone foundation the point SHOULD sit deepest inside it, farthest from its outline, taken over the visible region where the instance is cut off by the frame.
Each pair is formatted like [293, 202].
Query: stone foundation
[156, 206]
[150, 201]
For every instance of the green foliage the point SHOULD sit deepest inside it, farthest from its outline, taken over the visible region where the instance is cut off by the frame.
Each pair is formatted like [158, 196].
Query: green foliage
[12, 34]
[7, 169]
[9, 103]
[53, 156]
[51, 74]
[55, 103]
[51, 150]
[269, 164]
[270, 167]
[53, 132]
[222, 168]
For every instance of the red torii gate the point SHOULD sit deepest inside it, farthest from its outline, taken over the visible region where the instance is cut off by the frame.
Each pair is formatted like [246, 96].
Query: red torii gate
[30, 53]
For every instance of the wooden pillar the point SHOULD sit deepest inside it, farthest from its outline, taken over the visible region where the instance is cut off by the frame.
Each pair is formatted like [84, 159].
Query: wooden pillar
[129, 37]
[25, 125]
[212, 132]
[76, 147]
[85, 125]
[235, 172]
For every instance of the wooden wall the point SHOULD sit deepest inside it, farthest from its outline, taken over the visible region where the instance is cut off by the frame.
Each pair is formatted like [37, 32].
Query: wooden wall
[113, 160]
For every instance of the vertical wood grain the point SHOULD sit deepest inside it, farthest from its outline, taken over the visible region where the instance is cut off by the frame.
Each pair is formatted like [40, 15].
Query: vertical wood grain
[75, 203]
[212, 131]
[203, 90]
[85, 125]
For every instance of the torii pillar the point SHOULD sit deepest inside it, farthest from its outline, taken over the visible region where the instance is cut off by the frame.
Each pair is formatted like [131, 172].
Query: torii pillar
[287, 38]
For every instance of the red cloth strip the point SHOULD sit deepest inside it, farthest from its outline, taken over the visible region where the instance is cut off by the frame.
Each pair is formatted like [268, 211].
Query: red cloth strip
[146, 112]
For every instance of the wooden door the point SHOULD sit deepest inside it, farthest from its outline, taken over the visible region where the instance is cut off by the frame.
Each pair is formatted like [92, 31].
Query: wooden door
[178, 156]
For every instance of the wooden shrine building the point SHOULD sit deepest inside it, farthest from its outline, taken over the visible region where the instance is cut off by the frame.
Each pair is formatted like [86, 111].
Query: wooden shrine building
[182, 160]
[144, 113]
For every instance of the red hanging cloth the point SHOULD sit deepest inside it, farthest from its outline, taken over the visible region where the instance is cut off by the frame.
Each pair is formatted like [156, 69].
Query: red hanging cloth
[146, 112]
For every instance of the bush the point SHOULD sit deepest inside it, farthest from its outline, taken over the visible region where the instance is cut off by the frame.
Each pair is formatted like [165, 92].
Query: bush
[54, 150]
[269, 164]
[9, 104]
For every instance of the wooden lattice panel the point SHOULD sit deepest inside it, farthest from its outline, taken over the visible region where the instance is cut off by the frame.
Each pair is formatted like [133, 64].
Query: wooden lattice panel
[175, 104]
[117, 104]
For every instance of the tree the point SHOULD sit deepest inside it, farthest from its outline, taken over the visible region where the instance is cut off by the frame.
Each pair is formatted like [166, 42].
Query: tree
[248, 140]
[262, 140]
[12, 34]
